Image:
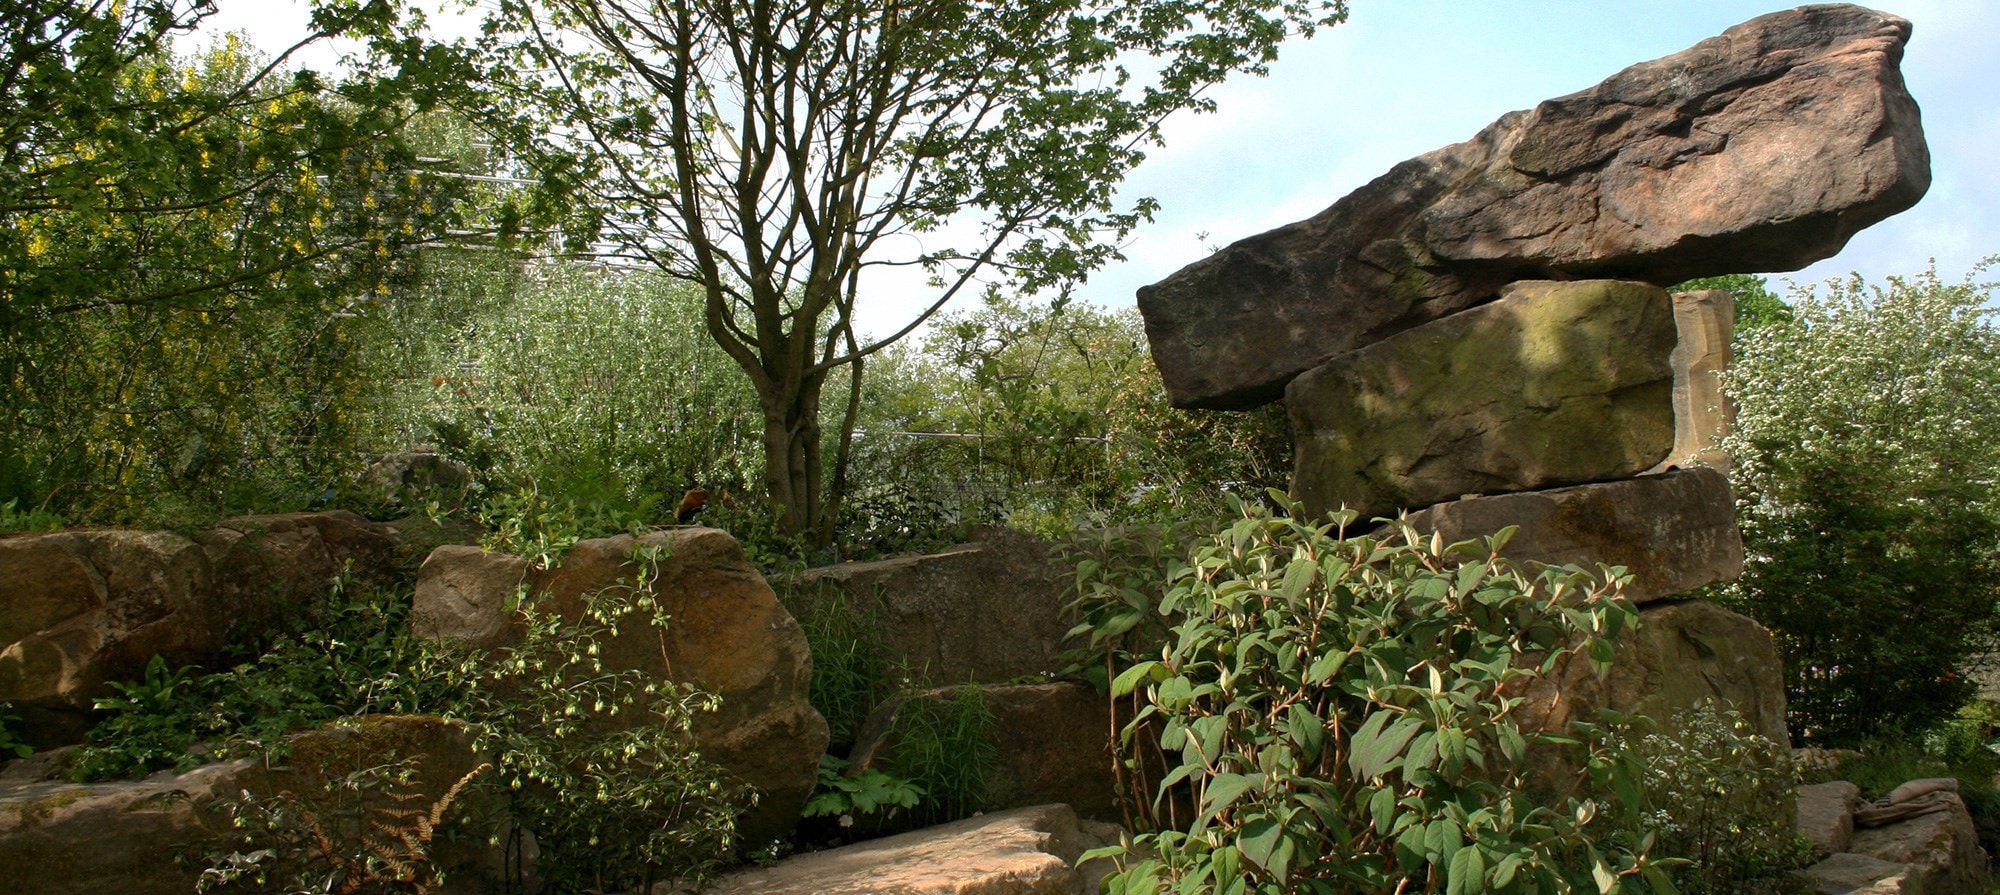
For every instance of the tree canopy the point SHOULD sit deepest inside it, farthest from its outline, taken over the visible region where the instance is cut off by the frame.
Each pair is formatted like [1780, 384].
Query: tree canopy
[774, 153]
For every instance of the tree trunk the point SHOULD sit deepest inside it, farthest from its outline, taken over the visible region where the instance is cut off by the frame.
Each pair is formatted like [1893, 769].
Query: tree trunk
[792, 468]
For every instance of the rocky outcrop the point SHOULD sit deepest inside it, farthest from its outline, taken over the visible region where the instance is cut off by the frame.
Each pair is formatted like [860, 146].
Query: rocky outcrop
[1940, 849]
[1930, 848]
[413, 478]
[1672, 532]
[156, 835]
[986, 612]
[1762, 149]
[80, 608]
[1826, 815]
[725, 633]
[1553, 384]
[1050, 742]
[1027, 851]
[1681, 654]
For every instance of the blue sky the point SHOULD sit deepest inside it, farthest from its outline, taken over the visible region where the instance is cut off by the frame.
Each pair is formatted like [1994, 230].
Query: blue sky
[1403, 77]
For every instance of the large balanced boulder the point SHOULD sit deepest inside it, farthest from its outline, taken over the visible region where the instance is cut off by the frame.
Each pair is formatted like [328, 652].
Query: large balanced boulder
[1027, 851]
[1673, 532]
[82, 608]
[725, 633]
[1555, 383]
[1762, 149]
[988, 611]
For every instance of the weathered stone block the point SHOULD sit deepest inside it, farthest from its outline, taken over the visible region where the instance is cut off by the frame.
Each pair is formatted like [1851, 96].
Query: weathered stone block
[1705, 322]
[1941, 850]
[150, 837]
[1681, 654]
[1553, 384]
[1673, 532]
[80, 608]
[1762, 149]
[725, 633]
[1826, 815]
[1027, 851]
[988, 611]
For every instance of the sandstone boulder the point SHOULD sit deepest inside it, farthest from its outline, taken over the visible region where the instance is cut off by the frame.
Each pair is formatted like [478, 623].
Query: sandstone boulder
[80, 608]
[156, 835]
[1027, 851]
[988, 611]
[1553, 384]
[726, 633]
[1051, 742]
[1826, 815]
[1941, 850]
[1848, 873]
[1673, 532]
[1682, 653]
[1762, 149]
[1705, 323]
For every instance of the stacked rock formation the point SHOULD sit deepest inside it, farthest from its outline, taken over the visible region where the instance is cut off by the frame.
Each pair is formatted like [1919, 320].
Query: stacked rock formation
[1481, 335]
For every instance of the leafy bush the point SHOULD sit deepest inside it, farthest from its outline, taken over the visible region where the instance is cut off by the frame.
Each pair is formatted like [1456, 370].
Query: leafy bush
[353, 655]
[1344, 712]
[1867, 471]
[601, 763]
[571, 387]
[1721, 796]
[11, 744]
[867, 794]
[361, 831]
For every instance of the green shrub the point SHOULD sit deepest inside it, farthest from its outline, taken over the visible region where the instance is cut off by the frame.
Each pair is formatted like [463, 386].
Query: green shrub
[612, 807]
[1721, 796]
[11, 744]
[1343, 710]
[1864, 460]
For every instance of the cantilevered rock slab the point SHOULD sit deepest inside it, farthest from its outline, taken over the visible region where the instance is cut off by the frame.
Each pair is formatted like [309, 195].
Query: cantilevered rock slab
[1763, 149]
[1553, 384]
[1673, 532]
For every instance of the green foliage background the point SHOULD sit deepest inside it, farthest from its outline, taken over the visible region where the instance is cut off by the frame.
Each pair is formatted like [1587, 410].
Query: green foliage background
[1867, 470]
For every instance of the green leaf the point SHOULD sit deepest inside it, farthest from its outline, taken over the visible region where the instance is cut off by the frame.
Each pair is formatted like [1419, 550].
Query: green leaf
[1466, 873]
[1130, 677]
[1375, 748]
[1223, 790]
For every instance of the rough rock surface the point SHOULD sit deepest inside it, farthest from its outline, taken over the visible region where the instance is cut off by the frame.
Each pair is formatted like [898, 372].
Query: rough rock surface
[1826, 815]
[988, 611]
[1553, 384]
[726, 633]
[1762, 149]
[1052, 742]
[1681, 654]
[79, 608]
[1673, 532]
[410, 478]
[59, 838]
[1941, 849]
[1027, 851]
[1705, 322]
[1848, 873]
